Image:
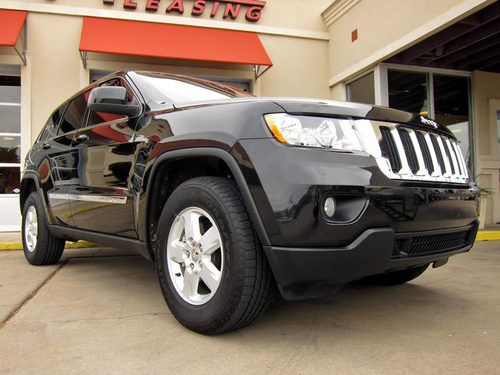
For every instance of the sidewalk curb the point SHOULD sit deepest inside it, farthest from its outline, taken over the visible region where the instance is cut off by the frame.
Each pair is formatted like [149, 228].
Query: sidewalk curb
[6, 246]
[484, 235]
[488, 235]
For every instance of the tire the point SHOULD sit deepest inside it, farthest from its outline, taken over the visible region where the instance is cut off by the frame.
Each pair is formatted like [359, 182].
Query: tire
[39, 245]
[220, 301]
[396, 277]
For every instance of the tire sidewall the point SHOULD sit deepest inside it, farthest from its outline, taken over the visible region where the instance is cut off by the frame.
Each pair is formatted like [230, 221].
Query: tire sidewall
[226, 297]
[34, 256]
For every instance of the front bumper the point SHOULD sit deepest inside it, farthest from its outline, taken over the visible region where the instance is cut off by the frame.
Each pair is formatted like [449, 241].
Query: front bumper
[312, 272]
[378, 218]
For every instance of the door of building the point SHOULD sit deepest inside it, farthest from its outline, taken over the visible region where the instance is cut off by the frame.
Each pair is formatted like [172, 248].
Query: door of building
[10, 152]
[495, 164]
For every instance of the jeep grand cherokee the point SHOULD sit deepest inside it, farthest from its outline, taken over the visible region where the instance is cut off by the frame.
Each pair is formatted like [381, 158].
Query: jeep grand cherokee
[233, 195]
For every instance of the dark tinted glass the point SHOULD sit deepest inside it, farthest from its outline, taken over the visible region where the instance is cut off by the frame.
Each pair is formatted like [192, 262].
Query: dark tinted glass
[408, 91]
[10, 148]
[50, 129]
[10, 178]
[362, 90]
[74, 116]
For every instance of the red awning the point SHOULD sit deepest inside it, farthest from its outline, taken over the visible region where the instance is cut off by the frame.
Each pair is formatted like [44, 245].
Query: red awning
[172, 42]
[12, 22]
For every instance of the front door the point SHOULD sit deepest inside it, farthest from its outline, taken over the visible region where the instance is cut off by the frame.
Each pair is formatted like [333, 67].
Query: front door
[104, 150]
[10, 152]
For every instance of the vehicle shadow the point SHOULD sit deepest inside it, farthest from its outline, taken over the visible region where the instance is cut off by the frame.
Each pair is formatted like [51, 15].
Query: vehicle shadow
[359, 309]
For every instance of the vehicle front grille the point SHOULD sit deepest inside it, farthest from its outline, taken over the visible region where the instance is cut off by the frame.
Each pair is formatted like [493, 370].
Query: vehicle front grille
[410, 153]
[408, 245]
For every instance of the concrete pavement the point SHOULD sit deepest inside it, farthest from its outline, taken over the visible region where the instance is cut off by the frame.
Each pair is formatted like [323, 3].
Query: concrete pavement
[101, 313]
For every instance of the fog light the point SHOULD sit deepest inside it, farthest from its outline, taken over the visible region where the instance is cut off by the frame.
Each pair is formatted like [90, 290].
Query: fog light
[329, 207]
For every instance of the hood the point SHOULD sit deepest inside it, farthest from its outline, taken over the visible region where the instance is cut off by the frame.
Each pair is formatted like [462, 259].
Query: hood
[327, 108]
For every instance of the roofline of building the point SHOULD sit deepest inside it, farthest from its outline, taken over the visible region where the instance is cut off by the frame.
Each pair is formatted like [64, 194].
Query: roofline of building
[68, 10]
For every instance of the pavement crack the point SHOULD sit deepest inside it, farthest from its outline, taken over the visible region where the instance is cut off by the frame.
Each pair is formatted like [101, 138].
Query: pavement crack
[35, 291]
[108, 318]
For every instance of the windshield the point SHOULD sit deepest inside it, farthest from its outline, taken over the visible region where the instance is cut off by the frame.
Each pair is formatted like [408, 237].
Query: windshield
[178, 89]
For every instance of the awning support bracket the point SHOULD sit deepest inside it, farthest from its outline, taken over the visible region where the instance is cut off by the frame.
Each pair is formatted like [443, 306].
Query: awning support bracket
[83, 56]
[22, 50]
[257, 71]
[22, 54]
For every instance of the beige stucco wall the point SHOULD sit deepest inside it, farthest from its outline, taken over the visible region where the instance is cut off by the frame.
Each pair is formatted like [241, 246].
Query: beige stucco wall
[486, 96]
[54, 61]
[55, 70]
[382, 23]
[300, 67]
[295, 14]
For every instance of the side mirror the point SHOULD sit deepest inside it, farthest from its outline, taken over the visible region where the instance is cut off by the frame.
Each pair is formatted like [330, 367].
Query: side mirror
[112, 99]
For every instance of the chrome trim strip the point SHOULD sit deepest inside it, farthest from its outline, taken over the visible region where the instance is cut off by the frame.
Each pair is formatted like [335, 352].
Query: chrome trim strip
[89, 198]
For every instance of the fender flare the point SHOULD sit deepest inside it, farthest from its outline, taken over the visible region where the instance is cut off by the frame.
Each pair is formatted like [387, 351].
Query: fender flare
[233, 166]
[34, 177]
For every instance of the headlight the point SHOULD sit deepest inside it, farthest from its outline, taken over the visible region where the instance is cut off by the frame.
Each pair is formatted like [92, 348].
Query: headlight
[338, 134]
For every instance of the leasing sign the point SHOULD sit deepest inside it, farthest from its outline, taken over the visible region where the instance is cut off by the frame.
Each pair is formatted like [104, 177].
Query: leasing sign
[216, 8]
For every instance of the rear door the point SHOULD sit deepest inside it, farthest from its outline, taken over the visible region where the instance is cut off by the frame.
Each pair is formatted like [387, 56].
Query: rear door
[104, 151]
[55, 166]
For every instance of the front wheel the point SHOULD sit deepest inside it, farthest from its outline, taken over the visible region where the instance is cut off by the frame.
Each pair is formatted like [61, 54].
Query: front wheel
[39, 245]
[211, 267]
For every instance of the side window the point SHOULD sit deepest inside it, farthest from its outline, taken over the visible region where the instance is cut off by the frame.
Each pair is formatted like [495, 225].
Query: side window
[50, 128]
[100, 117]
[74, 116]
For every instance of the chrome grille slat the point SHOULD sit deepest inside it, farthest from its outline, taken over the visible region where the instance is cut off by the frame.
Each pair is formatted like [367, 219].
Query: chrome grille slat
[437, 168]
[405, 168]
[460, 159]
[407, 153]
[453, 157]
[422, 171]
[447, 165]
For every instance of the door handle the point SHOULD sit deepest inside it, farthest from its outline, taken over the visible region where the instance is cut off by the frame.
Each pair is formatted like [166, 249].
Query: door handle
[80, 139]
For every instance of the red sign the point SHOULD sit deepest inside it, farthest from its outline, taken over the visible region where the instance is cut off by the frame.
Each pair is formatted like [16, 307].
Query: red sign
[226, 8]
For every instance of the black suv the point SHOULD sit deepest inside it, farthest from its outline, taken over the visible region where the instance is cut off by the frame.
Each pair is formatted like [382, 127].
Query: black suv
[233, 195]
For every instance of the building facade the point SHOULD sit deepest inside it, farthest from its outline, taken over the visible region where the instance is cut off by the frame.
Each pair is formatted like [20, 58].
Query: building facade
[362, 50]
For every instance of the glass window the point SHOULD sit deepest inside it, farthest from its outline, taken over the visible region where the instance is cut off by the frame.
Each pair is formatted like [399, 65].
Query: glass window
[10, 137]
[50, 129]
[10, 89]
[10, 148]
[10, 118]
[74, 116]
[408, 91]
[10, 179]
[362, 90]
[451, 107]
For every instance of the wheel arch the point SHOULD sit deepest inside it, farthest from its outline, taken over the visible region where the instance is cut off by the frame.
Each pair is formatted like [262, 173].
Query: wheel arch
[157, 172]
[29, 184]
